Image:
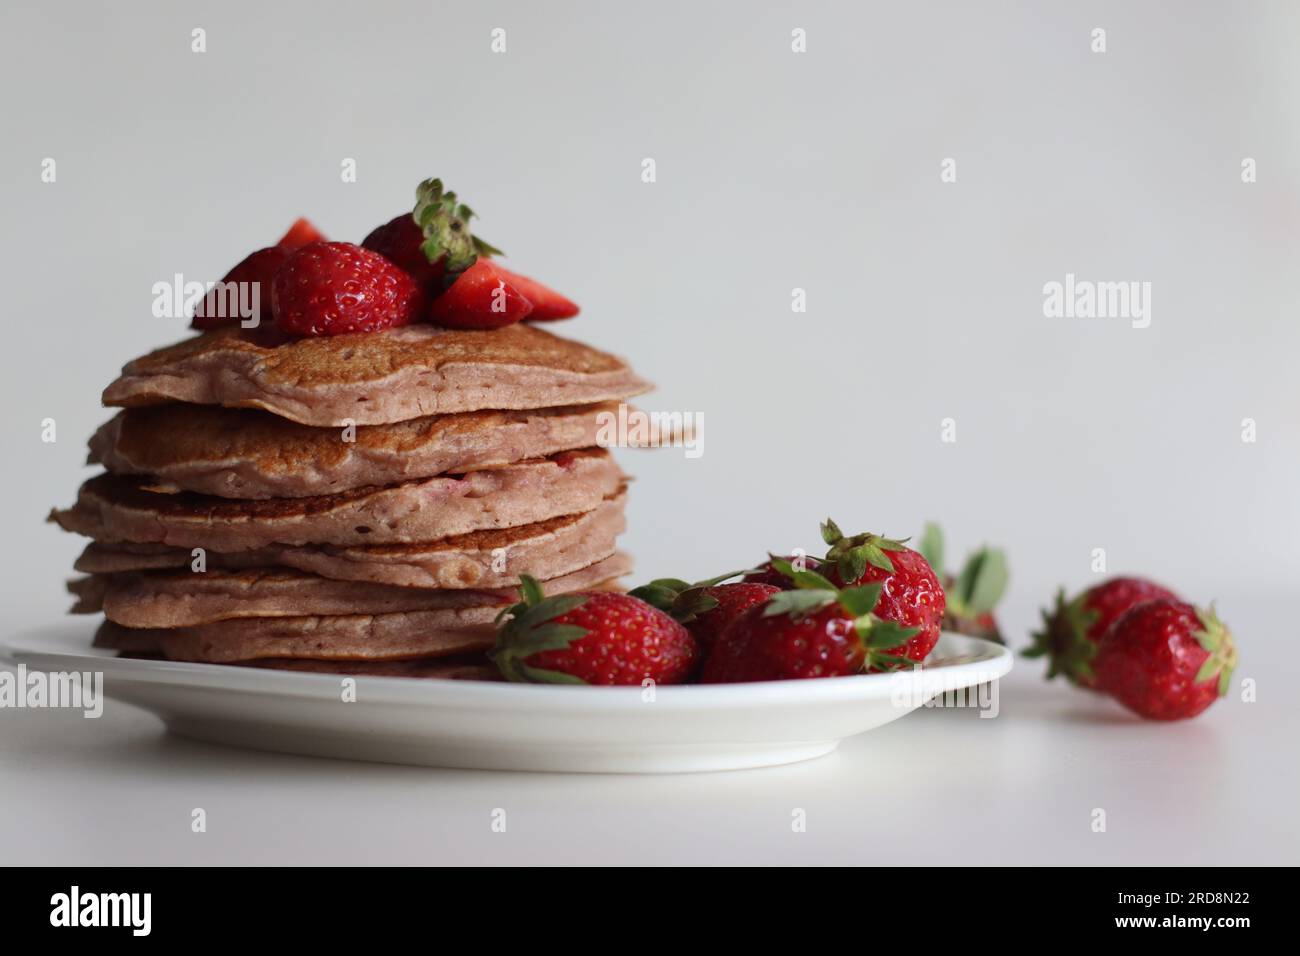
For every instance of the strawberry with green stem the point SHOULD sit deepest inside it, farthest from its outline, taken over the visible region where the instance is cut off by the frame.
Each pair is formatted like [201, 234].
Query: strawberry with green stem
[912, 594]
[976, 590]
[706, 608]
[592, 637]
[1074, 627]
[1166, 660]
[814, 630]
[435, 245]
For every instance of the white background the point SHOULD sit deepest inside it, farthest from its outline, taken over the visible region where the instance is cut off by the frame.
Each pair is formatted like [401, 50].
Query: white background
[775, 170]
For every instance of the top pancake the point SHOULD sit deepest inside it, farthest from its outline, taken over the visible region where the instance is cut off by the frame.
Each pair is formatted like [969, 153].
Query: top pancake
[377, 378]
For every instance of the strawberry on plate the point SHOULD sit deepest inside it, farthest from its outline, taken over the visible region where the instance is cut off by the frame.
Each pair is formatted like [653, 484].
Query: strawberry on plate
[1073, 628]
[593, 637]
[767, 573]
[813, 630]
[912, 594]
[333, 288]
[707, 607]
[1165, 660]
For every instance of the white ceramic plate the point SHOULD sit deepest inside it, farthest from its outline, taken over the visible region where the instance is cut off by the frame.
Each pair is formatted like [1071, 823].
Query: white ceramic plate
[492, 726]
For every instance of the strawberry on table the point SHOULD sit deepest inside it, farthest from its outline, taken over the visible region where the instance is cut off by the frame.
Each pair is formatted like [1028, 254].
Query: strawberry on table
[333, 288]
[594, 637]
[814, 630]
[1166, 660]
[1073, 628]
[912, 595]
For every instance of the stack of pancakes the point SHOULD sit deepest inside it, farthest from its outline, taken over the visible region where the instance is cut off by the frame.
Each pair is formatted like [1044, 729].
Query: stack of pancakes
[355, 504]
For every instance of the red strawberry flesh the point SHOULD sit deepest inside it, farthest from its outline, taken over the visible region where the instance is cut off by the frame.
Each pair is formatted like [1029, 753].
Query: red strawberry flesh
[336, 288]
[480, 298]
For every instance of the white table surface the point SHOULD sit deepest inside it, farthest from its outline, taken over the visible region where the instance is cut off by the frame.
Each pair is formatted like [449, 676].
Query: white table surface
[935, 787]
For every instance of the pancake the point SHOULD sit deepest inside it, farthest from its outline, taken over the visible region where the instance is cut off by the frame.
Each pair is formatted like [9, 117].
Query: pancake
[116, 508]
[377, 377]
[242, 453]
[186, 599]
[376, 637]
[480, 560]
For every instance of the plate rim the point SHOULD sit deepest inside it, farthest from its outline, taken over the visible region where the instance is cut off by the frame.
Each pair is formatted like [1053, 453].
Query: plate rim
[406, 690]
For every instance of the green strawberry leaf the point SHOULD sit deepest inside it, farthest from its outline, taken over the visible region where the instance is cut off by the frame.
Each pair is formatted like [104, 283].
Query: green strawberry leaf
[656, 594]
[539, 675]
[797, 603]
[889, 634]
[876, 557]
[831, 532]
[853, 564]
[802, 579]
[860, 601]
[444, 223]
[983, 581]
[530, 591]
[931, 547]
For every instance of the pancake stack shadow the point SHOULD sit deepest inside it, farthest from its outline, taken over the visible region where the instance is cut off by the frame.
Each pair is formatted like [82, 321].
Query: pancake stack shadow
[358, 504]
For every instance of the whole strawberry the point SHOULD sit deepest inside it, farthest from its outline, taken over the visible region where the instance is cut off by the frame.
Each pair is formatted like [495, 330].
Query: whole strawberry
[1072, 629]
[434, 243]
[815, 630]
[1166, 660]
[334, 288]
[399, 241]
[593, 637]
[256, 271]
[705, 608]
[767, 573]
[972, 594]
[912, 595]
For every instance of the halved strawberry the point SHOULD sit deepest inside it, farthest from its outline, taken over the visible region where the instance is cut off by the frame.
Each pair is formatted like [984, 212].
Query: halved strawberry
[480, 298]
[301, 233]
[548, 304]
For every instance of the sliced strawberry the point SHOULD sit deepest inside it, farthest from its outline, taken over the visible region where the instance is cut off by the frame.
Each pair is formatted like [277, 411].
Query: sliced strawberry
[548, 304]
[480, 298]
[301, 233]
[259, 268]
